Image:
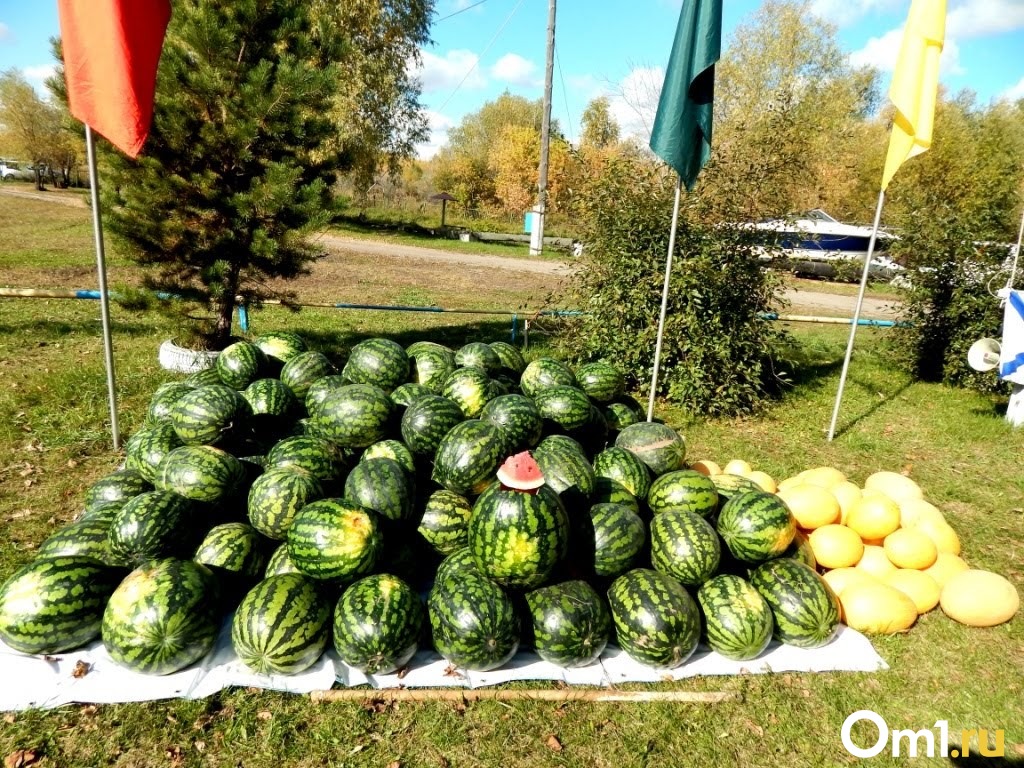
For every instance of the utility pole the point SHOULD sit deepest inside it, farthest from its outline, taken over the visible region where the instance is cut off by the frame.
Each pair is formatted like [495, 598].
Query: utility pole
[540, 210]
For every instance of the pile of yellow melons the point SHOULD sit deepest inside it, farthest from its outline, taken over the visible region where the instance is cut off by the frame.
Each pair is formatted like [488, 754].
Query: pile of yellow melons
[889, 555]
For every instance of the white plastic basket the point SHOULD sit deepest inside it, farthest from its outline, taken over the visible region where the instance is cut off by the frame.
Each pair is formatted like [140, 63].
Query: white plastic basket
[175, 358]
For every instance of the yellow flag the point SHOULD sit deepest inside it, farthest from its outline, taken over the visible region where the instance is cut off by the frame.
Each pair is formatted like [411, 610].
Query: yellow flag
[915, 83]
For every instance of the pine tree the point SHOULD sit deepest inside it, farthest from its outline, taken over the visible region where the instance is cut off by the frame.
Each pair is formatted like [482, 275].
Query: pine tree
[235, 171]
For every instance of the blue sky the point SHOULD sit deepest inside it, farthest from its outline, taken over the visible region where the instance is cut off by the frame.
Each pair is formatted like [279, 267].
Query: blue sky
[614, 48]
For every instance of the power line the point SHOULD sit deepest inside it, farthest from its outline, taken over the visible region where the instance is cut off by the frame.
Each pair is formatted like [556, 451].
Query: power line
[565, 96]
[461, 10]
[481, 56]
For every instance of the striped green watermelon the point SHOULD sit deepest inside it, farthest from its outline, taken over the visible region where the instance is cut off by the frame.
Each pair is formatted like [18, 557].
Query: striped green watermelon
[203, 378]
[201, 473]
[468, 457]
[457, 565]
[658, 446]
[383, 486]
[276, 497]
[321, 388]
[117, 486]
[656, 621]
[354, 416]
[565, 466]
[280, 562]
[756, 526]
[738, 621]
[280, 346]
[419, 347]
[207, 415]
[163, 617]
[518, 537]
[303, 369]
[467, 388]
[622, 413]
[685, 546]
[282, 625]
[233, 548]
[625, 468]
[683, 489]
[805, 609]
[427, 421]
[377, 624]
[609, 539]
[55, 604]
[608, 491]
[565, 406]
[476, 354]
[240, 364]
[511, 358]
[544, 373]
[147, 448]
[382, 363]
[270, 397]
[602, 382]
[800, 549]
[153, 525]
[571, 623]
[408, 393]
[395, 450]
[474, 623]
[317, 456]
[333, 539]
[84, 538]
[105, 512]
[445, 521]
[729, 485]
[431, 366]
[164, 398]
[497, 388]
[518, 420]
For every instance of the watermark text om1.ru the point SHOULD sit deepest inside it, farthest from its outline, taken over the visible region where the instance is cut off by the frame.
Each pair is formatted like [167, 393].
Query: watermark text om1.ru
[927, 742]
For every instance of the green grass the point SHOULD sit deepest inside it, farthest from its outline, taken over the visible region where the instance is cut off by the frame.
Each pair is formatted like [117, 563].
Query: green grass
[54, 442]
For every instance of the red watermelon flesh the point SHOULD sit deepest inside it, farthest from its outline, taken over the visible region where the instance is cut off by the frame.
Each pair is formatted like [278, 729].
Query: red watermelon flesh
[521, 473]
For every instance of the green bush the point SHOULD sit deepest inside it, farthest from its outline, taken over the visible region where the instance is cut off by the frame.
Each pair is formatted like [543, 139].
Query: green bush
[716, 355]
[950, 301]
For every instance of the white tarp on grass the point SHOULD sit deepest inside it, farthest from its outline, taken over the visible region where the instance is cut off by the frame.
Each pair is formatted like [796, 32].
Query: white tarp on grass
[89, 676]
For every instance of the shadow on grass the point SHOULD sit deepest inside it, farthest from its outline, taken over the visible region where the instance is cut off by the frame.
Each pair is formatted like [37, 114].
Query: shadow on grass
[47, 329]
[977, 760]
[887, 397]
[429, 235]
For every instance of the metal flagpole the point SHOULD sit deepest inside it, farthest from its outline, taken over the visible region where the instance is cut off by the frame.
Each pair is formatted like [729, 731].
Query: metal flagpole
[856, 315]
[101, 268]
[664, 299]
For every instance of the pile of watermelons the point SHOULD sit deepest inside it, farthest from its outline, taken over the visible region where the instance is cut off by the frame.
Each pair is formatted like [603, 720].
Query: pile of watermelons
[412, 497]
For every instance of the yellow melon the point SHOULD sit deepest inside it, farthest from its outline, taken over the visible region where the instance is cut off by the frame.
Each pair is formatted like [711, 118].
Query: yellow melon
[877, 608]
[764, 480]
[847, 494]
[836, 546]
[706, 467]
[910, 548]
[840, 578]
[946, 567]
[812, 506]
[826, 477]
[875, 562]
[913, 510]
[874, 517]
[918, 586]
[737, 467]
[874, 542]
[979, 598]
[789, 482]
[894, 485]
[942, 534]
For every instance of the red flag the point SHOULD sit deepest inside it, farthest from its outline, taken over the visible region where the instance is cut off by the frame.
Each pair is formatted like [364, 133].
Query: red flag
[111, 52]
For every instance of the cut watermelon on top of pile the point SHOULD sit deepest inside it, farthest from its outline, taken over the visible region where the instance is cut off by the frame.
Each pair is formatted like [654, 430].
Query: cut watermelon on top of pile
[521, 473]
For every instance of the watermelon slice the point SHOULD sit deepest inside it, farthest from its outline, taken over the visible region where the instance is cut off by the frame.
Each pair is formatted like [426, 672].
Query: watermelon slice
[521, 473]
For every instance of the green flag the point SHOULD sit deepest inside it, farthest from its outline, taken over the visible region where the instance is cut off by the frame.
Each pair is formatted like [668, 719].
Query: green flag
[682, 129]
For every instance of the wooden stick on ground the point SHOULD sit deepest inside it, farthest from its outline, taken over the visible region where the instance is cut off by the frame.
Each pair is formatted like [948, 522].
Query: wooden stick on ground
[541, 694]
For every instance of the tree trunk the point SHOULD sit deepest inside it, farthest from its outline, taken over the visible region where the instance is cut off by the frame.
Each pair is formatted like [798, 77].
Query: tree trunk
[226, 308]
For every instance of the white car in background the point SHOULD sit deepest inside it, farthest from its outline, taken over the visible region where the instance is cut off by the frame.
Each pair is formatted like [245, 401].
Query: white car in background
[12, 170]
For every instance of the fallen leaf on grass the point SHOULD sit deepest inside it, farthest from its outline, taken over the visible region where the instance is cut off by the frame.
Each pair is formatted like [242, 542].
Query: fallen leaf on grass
[81, 669]
[21, 758]
[89, 710]
[357, 749]
[754, 727]
[395, 764]
[200, 746]
[175, 755]
[553, 743]
[264, 714]
[9, 719]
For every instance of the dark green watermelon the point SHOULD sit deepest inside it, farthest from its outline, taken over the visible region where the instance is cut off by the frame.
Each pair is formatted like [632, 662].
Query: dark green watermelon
[203, 378]
[476, 354]
[321, 388]
[467, 388]
[302, 370]
[280, 562]
[164, 398]
[270, 397]
[84, 538]
[152, 525]
[276, 497]
[55, 604]
[474, 623]
[408, 393]
[625, 468]
[317, 456]
[427, 421]
[354, 416]
[377, 624]
[381, 363]
[685, 546]
[163, 617]
[738, 621]
[609, 539]
[208, 415]
[117, 486]
[756, 526]
[729, 485]
[511, 358]
[804, 607]
[517, 418]
[565, 466]
[383, 486]
[602, 382]
[106, 511]
[148, 447]
[658, 446]
[233, 549]
[201, 473]
[518, 537]
[683, 489]
[282, 625]
[444, 524]
[240, 364]
[468, 457]
[395, 450]
[657, 623]
[566, 407]
[544, 373]
[280, 346]
[334, 540]
[622, 412]
[431, 366]
[608, 491]
[571, 623]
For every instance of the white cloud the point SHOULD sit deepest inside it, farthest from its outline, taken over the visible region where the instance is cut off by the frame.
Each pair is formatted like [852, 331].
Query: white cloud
[37, 77]
[437, 73]
[634, 101]
[1014, 92]
[5, 33]
[846, 12]
[882, 53]
[439, 125]
[981, 18]
[515, 70]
